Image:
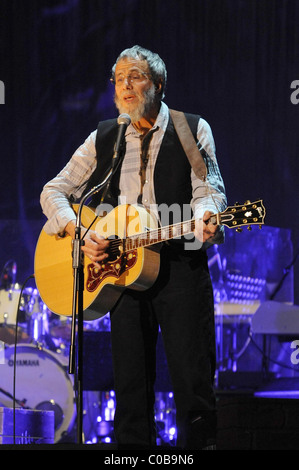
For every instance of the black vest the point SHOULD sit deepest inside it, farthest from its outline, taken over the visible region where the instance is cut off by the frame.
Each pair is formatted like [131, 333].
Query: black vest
[172, 180]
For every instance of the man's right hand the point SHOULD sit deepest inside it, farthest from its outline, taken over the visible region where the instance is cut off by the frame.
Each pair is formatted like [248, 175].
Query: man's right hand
[94, 246]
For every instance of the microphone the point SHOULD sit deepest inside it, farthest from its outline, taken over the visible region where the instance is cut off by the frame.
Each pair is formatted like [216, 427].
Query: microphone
[123, 121]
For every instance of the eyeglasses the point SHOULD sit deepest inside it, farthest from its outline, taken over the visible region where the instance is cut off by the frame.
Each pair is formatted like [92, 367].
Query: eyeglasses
[134, 77]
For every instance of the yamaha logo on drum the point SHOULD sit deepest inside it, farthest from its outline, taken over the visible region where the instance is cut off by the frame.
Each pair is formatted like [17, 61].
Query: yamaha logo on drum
[24, 362]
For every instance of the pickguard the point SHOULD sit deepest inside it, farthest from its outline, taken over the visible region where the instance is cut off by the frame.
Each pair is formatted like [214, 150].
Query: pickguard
[113, 269]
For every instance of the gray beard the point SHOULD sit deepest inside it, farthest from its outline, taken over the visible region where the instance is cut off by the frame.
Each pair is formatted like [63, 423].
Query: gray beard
[143, 107]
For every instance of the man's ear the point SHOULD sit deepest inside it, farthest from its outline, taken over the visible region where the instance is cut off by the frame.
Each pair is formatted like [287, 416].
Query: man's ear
[158, 87]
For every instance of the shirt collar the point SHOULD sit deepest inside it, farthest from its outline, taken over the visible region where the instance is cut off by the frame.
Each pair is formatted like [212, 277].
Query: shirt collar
[163, 117]
[161, 121]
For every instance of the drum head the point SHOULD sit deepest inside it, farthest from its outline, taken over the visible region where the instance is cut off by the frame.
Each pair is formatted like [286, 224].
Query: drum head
[42, 383]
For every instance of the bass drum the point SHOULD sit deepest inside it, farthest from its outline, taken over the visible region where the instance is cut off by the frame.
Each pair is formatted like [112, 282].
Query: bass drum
[42, 383]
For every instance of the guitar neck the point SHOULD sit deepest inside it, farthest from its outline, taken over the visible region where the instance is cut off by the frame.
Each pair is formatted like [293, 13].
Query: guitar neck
[247, 214]
[162, 234]
[158, 235]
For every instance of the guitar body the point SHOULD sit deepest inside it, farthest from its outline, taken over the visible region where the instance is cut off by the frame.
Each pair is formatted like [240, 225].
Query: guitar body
[136, 269]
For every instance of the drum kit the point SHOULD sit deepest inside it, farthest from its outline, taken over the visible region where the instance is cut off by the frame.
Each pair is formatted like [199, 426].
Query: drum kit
[34, 363]
[36, 341]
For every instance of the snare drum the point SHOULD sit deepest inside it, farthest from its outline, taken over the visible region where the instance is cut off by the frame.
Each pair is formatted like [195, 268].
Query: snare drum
[42, 383]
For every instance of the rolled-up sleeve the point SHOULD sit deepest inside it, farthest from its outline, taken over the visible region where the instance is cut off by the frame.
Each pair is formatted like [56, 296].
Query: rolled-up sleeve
[67, 186]
[208, 195]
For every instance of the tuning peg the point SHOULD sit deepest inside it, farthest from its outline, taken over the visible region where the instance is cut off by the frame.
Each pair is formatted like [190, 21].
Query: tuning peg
[237, 203]
[260, 226]
[247, 202]
[249, 228]
[239, 230]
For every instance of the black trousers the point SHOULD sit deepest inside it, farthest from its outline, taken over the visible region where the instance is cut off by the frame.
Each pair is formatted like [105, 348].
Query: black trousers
[181, 303]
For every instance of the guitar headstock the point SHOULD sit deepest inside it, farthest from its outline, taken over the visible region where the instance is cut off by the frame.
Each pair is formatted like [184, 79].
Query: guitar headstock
[249, 213]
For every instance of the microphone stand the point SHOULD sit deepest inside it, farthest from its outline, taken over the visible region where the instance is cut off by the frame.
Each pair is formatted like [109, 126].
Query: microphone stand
[77, 308]
[78, 274]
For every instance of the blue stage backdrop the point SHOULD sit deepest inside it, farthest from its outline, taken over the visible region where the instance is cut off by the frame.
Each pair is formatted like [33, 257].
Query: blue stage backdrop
[235, 62]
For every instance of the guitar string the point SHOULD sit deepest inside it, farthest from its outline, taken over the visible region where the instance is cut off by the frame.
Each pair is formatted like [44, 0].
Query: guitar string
[161, 228]
[144, 236]
[154, 235]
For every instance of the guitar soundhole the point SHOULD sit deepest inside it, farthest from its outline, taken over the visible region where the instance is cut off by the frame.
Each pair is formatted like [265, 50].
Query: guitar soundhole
[115, 249]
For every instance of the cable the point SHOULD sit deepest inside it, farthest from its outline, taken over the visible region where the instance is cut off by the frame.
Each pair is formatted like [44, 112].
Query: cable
[243, 349]
[286, 272]
[15, 356]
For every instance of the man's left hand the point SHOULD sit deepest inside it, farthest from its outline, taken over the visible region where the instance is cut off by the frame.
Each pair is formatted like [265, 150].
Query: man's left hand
[205, 230]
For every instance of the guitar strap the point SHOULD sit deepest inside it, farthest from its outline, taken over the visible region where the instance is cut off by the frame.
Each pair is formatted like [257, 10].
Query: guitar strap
[188, 143]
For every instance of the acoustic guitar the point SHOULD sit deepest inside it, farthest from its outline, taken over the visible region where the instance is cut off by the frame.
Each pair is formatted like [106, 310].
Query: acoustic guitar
[133, 261]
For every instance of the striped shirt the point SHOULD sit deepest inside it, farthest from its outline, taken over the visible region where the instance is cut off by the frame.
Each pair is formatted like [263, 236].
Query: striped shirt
[72, 180]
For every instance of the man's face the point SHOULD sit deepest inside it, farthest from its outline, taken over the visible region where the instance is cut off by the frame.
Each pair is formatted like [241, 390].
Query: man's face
[134, 89]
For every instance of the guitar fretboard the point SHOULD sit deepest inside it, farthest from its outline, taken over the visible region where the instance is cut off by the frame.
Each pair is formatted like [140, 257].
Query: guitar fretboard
[232, 217]
[158, 235]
